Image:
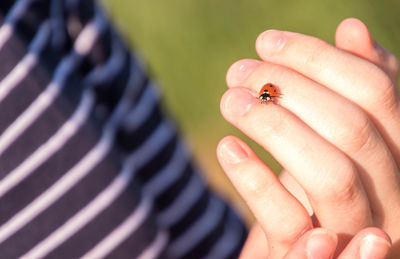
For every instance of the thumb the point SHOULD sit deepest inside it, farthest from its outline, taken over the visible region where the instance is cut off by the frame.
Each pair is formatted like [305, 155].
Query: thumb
[316, 243]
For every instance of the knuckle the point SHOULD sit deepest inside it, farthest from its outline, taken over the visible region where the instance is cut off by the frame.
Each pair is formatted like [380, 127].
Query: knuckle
[292, 231]
[347, 191]
[381, 94]
[357, 133]
[344, 187]
[275, 125]
[318, 51]
[256, 186]
[388, 100]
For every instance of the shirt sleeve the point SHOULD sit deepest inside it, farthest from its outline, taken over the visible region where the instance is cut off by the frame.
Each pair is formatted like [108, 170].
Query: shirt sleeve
[90, 166]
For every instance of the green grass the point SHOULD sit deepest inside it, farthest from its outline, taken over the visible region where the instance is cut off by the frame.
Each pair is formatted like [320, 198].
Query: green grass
[190, 44]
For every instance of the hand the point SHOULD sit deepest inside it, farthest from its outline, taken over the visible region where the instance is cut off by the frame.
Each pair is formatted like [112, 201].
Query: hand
[280, 217]
[336, 130]
[321, 243]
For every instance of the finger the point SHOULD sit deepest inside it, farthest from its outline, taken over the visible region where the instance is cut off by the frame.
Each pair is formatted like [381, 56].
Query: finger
[316, 243]
[347, 127]
[353, 36]
[295, 189]
[240, 71]
[352, 77]
[256, 246]
[325, 173]
[321, 243]
[368, 243]
[281, 216]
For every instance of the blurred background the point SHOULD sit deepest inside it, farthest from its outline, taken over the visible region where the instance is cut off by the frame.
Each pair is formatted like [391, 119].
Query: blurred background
[188, 45]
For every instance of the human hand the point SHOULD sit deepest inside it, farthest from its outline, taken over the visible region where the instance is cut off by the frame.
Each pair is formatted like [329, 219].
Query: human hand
[320, 243]
[336, 129]
[281, 219]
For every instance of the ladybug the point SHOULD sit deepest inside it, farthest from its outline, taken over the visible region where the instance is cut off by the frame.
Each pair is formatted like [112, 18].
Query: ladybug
[269, 93]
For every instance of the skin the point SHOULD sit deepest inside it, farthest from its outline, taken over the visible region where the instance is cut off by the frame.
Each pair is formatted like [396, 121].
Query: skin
[336, 131]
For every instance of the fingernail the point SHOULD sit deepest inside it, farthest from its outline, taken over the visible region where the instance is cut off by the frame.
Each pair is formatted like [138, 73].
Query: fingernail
[272, 41]
[237, 102]
[231, 152]
[321, 244]
[240, 70]
[374, 247]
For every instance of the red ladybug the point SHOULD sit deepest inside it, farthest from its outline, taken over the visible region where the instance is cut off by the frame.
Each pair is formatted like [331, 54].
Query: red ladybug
[269, 93]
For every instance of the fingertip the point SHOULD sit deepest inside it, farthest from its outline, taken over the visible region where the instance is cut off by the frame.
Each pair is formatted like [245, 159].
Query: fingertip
[353, 26]
[230, 151]
[370, 242]
[239, 71]
[237, 102]
[230, 138]
[224, 142]
[375, 232]
[270, 43]
[315, 243]
[353, 35]
[258, 44]
[350, 30]
[321, 243]
[375, 244]
[224, 102]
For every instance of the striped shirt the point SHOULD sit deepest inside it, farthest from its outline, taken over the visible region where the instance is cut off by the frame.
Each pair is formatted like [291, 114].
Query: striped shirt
[89, 164]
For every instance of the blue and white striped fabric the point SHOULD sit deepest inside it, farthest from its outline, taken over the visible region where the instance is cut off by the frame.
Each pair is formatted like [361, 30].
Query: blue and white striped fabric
[90, 167]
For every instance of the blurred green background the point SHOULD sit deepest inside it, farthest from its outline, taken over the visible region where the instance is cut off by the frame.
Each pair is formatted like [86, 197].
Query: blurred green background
[190, 44]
